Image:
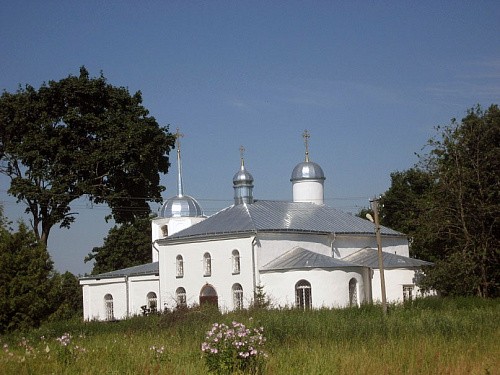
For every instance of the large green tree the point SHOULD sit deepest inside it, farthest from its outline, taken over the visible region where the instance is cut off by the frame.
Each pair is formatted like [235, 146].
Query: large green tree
[126, 245]
[81, 136]
[449, 205]
[404, 204]
[461, 215]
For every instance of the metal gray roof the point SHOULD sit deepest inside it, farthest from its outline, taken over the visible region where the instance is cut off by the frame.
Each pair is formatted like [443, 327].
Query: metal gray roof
[369, 257]
[143, 269]
[299, 258]
[280, 216]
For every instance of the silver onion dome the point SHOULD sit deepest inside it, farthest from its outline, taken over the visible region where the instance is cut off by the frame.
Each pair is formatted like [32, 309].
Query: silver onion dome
[181, 206]
[242, 176]
[243, 183]
[307, 170]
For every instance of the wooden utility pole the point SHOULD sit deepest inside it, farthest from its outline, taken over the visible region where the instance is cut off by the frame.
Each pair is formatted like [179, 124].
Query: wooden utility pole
[374, 203]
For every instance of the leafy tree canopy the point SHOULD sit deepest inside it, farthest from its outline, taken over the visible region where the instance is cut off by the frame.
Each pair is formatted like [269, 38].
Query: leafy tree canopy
[81, 136]
[460, 215]
[125, 246]
[449, 205]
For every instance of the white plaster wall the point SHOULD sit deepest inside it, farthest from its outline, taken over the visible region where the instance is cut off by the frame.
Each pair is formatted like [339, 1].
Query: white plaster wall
[175, 224]
[345, 245]
[93, 297]
[330, 288]
[139, 287]
[394, 281]
[308, 191]
[222, 278]
[272, 245]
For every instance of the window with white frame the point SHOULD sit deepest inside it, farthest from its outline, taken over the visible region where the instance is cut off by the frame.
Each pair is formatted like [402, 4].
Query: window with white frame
[207, 264]
[303, 294]
[353, 292]
[108, 306]
[179, 266]
[164, 230]
[408, 293]
[180, 296]
[152, 301]
[236, 261]
[237, 296]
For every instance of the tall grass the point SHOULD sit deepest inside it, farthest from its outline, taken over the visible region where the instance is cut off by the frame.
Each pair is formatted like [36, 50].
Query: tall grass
[429, 336]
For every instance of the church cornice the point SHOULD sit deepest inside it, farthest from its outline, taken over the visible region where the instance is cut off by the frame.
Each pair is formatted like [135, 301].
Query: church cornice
[205, 238]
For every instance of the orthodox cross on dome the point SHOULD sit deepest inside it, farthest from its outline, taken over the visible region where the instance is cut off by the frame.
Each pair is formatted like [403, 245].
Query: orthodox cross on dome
[178, 135]
[242, 153]
[306, 137]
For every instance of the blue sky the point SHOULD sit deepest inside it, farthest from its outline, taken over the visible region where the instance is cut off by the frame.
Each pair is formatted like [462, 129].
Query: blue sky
[369, 80]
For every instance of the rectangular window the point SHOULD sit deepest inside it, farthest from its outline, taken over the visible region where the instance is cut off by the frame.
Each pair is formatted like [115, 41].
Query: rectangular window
[179, 266]
[236, 264]
[109, 310]
[408, 293]
[207, 265]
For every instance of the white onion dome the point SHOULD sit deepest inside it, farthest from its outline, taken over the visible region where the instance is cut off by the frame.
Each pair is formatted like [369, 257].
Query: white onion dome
[181, 206]
[307, 170]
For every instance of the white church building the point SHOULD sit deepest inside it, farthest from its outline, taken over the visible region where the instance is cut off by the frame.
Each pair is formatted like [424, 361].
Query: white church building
[301, 254]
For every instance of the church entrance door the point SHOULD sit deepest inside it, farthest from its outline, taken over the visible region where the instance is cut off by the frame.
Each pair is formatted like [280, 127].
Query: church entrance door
[208, 295]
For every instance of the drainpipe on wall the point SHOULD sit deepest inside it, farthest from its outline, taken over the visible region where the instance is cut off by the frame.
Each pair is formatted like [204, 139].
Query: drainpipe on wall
[159, 306]
[153, 244]
[127, 295]
[333, 237]
[154, 247]
[254, 242]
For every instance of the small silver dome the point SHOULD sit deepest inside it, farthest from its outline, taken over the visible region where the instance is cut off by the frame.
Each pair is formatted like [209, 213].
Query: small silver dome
[307, 170]
[243, 185]
[242, 176]
[181, 206]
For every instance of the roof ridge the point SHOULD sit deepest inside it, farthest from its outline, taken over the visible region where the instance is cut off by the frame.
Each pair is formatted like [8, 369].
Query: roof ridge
[254, 227]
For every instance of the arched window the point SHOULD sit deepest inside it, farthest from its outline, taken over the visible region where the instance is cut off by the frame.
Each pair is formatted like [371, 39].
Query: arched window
[164, 230]
[236, 261]
[237, 296]
[152, 301]
[179, 266]
[353, 292]
[207, 264]
[180, 297]
[108, 306]
[303, 295]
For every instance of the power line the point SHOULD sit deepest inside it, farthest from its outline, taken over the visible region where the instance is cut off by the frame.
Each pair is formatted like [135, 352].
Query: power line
[152, 199]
